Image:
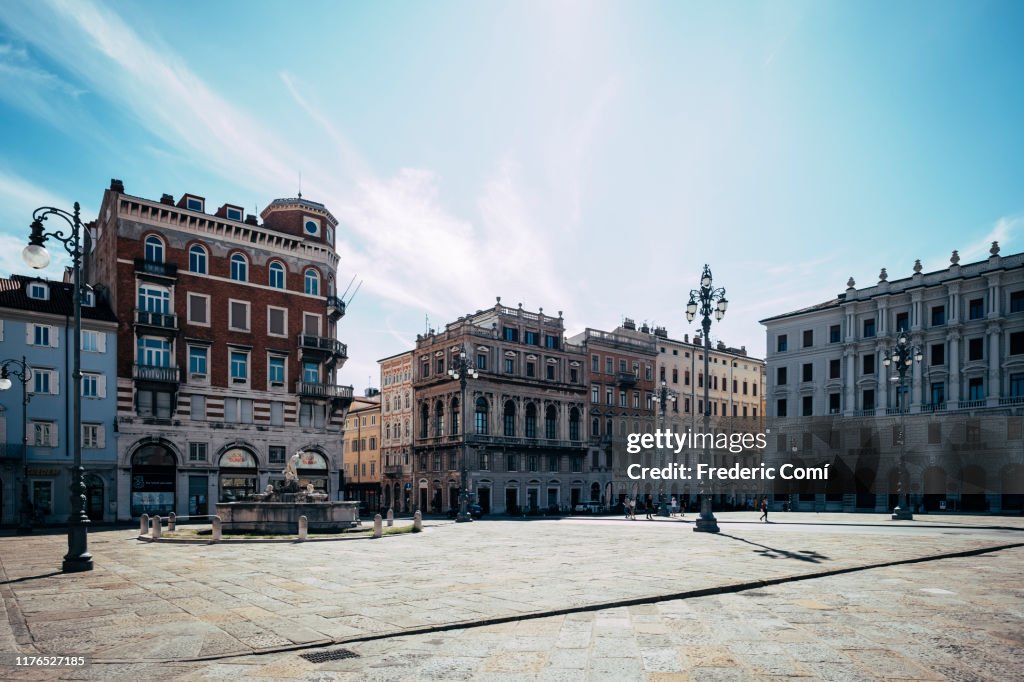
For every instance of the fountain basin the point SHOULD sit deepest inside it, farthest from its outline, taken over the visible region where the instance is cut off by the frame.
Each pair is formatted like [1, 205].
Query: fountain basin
[283, 517]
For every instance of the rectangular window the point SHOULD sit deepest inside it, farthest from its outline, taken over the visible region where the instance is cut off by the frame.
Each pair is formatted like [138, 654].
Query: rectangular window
[869, 399]
[781, 377]
[622, 399]
[277, 321]
[439, 365]
[1017, 385]
[902, 322]
[91, 435]
[510, 366]
[976, 308]
[834, 367]
[595, 363]
[782, 343]
[197, 452]
[238, 316]
[93, 342]
[975, 349]
[808, 338]
[938, 315]
[780, 407]
[608, 396]
[808, 372]
[197, 407]
[481, 361]
[311, 375]
[41, 335]
[531, 369]
[510, 462]
[198, 309]
[276, 413]
[551, 372]
[609, 366]
[807, 409]
[44, 381]
[869, 364]
[239, 366]
[531, 338]
[833, 403]
[275, 370]
[574, 375]
[551, 342]
[92, 385]
[510, 334]
[976, 389]
[198, 357]
[595, 393]
[833, 334]
[1017, 301]
[869, 328]
[275, 454]
[938, 354]
[1017, 343]
[938, 393]
[42, 434]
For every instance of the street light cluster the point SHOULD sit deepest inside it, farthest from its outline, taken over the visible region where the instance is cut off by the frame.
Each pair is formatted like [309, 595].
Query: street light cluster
[460, 370]
[902, 357]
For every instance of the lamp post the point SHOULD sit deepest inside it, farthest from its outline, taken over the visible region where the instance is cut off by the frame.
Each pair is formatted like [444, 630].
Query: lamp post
[663, 397]
[706, 300]
[903, 355]
[36, 256]
[461, 368]
[23, 373]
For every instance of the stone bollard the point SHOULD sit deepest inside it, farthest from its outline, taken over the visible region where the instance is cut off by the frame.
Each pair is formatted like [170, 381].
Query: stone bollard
[417, 522]
[157, 526]
[303, 528]
[378, 526]
[171, 521]
[144, 524]
[215, 522]
[391, 517]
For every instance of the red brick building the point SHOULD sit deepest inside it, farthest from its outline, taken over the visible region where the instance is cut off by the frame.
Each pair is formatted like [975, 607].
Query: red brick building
[227, 347]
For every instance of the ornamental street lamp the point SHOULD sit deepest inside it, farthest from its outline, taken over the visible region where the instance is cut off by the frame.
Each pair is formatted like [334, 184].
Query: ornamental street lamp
[36, 256]
[460, 370]
[663, 397]
[22, 373]
[903, 356]
[706, 300]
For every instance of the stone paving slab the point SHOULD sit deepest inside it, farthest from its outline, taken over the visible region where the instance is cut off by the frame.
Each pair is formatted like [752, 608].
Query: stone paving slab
[162, 602]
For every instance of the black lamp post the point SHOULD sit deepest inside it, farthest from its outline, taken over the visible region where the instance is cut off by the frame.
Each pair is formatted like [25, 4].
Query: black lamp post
[23, 373]
[663, 397]
[36, 256]
[461, 368]
[903, 356]
[707, 301]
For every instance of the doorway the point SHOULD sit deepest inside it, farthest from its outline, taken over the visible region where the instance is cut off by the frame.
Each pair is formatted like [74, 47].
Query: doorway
[94, 498]
[484, 498]
[511, 500]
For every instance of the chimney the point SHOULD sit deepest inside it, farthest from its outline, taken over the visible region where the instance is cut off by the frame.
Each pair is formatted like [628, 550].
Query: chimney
[167, 199]
[116, 185]
[250, 219]
[628, 323]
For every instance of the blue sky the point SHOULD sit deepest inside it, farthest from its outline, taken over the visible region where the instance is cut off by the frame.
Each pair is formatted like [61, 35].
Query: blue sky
[585, 157]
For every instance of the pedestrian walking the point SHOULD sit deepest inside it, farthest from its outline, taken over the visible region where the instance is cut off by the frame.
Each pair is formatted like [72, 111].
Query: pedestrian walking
[672, 509]
[649, 508]
[625, 507]
[764, 509]
[632, 509]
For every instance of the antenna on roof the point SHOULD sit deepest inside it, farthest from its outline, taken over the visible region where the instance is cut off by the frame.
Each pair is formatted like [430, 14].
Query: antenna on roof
[300, 184]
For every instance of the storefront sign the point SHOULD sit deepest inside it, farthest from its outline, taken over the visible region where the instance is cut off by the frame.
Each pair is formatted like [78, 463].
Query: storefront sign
[43, 472]
[237, 459]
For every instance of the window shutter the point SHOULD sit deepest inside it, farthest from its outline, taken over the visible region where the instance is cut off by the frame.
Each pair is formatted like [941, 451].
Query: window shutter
[55, 382]
[53, 435]
[54, 338]
[101, 436]
[101, 343]
[30, 334]
[101, 386]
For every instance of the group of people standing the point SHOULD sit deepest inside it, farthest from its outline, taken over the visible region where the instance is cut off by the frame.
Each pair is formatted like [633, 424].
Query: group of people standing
[630, 503]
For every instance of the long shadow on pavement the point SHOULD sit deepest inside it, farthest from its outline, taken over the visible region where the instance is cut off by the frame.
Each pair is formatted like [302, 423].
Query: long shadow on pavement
[774, 553]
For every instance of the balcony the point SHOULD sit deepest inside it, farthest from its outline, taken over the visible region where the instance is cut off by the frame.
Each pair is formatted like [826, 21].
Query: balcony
[153, 319]
[324, 391]
[626, 379]
[322, 344]
[156, 268]
[393, 470]
[155, 373]
[335, 307]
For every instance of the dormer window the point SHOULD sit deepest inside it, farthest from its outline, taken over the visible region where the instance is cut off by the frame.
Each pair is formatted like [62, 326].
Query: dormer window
[234, 213]
[311, 226]
[194, 204]
[39, 291]
[89, 299]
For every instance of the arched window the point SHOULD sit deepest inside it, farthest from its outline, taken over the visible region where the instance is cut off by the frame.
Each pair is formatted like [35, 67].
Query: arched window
[455, 416]
[424, 419]
[438, 418]
[531, 420]
[277, 275]
[595, 427]
[312, 282]
[154, 249]
[197, 259]
[509, 418]
[574, 424]
[608, 428]
[551, 423]
[387, 431]
[480, 417]
[239, 268]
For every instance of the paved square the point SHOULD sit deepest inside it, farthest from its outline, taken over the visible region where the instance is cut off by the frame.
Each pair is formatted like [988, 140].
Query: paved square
[602, 599]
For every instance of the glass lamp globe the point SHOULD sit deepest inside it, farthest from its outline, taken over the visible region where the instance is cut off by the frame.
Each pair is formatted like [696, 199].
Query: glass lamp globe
[705, 281]
[723, 305]
[5, 383]
[36, 256]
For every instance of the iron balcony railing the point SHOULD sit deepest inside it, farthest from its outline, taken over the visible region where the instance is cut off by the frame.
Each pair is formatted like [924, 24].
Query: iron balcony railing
[335, 307]
[171, 375]
[152, 318]
[318, 390]
[323, 343]
[152, 267]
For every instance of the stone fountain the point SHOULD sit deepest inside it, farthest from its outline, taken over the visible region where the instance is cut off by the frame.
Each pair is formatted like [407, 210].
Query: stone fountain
[277, 511]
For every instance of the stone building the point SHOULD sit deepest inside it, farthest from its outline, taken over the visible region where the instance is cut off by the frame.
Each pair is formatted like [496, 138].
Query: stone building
[958, 426]
[37, 328]
[363, 470]
[227, 351]
[525, 447]
[396, 439]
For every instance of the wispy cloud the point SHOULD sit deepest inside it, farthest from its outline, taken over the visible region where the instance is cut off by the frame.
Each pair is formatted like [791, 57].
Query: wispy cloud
[1003, 231]
[18, 198]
